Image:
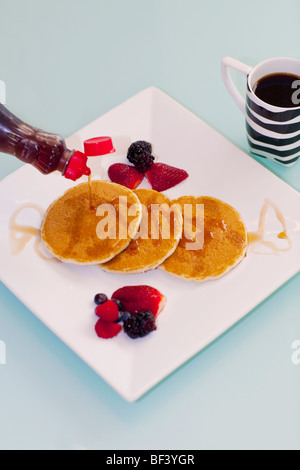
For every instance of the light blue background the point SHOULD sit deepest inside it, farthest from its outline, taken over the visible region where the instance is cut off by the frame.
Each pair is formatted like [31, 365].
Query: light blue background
[65, 63]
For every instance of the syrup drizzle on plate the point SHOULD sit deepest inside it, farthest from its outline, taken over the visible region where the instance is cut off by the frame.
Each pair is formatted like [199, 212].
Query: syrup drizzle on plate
[21, 235]
[258, 238]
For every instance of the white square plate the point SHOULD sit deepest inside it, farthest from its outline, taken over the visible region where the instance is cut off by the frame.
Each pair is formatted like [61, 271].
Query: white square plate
[61, 295]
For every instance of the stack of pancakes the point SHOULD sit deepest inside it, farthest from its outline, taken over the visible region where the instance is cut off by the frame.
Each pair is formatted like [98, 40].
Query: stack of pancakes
[150, 231]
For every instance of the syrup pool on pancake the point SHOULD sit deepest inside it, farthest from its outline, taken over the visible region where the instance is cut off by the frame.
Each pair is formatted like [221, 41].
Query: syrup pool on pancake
[154, 242]
[69, 227]
[224, 242]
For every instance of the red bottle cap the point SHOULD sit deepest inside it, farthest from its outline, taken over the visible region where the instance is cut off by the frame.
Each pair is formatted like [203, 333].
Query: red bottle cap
[98, 146]
[77, 167]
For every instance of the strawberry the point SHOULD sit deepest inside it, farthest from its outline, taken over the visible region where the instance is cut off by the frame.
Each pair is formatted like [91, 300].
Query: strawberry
[137, 299]
[108, 312]
[163, 177]
[107, 330]
[125, 175]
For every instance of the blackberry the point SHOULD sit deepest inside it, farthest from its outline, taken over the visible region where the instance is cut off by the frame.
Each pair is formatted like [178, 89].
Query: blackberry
[140, 325]
[139, 154]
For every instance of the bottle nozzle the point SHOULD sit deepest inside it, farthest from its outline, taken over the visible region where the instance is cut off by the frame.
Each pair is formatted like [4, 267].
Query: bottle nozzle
[77, 167]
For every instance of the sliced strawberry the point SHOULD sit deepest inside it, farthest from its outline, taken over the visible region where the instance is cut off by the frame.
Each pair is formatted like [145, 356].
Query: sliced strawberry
[125, 175]
[163, 177]
[108, 311]
[137, 299]
[107, 330]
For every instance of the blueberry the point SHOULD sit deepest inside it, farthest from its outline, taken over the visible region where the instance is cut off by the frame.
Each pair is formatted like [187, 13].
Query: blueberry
[119, 304]
[125, 316]
[100, 299]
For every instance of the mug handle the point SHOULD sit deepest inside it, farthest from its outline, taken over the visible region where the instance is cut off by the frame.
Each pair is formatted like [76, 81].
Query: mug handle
[229, 62]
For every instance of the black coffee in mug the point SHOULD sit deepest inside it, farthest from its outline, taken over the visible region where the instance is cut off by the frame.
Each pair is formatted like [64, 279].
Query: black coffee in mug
[271, 107]
[279, 89]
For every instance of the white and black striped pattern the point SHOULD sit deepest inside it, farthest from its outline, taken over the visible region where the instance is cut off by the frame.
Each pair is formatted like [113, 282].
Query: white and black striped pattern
[273, 133]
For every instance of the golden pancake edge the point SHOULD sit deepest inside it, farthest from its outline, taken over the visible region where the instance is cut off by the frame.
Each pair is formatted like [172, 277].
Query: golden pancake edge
[69, 227]
[224, 242]
[149, 250]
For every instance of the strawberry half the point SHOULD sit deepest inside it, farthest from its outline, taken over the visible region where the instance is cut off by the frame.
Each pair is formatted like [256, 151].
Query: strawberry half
[163, 177]
[108, 311]
[125, 175]
[136, 299]
[107, 330]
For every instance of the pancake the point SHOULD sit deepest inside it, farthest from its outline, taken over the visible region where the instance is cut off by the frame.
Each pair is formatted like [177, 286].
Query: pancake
[70, 229]
[150, 249]
[224, 241]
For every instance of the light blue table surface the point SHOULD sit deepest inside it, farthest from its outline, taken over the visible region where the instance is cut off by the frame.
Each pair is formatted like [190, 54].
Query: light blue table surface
[65, 63]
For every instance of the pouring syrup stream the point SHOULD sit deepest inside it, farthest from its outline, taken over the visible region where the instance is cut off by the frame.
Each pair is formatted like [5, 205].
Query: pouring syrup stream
[92, 208]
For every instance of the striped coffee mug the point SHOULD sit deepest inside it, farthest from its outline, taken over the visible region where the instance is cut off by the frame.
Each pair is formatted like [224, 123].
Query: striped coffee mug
[273, 132]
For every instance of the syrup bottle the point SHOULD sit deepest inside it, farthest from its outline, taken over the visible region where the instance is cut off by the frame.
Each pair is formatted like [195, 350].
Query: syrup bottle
[44, 151]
